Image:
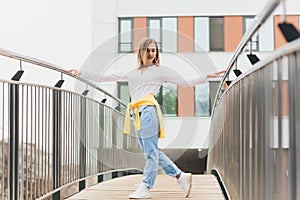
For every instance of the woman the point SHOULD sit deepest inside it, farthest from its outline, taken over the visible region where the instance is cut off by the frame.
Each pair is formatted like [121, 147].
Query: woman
[144, 82]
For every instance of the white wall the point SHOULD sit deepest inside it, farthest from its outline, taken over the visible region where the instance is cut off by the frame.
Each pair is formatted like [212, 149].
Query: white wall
[186, 132]
[56, 31]
[104, 23]
[197, 7]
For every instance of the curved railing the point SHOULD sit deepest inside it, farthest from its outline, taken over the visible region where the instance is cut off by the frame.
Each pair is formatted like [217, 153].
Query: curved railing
[246, 39]
[55, 141]
[254, 135]
[37, 62]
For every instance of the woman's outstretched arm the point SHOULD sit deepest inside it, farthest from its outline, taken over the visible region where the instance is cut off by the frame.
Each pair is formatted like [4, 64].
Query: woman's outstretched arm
[216, 74]
[106, 77]
[75, 72]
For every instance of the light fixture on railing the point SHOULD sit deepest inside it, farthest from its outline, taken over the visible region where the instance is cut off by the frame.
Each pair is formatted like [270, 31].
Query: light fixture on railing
[86, 91]
[104, 99]
[228, 81]
[60, 82]
[236, 71]
[19, 73]
[252, 57]
[288, 30]
[118, 108]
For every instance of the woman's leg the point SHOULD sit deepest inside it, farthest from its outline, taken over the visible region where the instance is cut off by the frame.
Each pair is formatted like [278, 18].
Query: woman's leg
[155, 157]
[148, 140]
[168, 165]
[151, 154]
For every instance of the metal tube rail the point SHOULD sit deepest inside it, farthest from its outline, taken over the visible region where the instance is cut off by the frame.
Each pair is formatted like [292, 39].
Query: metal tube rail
[291, 47]
[41, 155]
[54, 67]
[47, 131]
[255, 128]
[258, 21]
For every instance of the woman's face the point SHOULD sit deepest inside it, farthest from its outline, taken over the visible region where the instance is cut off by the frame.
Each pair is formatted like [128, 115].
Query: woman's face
[150, 54]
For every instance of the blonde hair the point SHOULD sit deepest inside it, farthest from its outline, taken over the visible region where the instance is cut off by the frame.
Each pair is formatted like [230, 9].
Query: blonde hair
[142, 52]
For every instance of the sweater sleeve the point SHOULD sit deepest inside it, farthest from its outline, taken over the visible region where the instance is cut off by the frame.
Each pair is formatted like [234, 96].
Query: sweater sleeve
[104, 77]
[169, 75]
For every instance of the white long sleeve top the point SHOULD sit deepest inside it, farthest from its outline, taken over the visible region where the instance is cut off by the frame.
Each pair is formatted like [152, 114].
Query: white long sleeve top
[148, 82]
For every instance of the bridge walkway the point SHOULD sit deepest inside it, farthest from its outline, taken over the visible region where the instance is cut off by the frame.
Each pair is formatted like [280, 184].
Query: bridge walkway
[205, 187]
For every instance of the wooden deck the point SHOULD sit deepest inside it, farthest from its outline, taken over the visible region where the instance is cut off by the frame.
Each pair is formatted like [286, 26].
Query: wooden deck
[205, 187]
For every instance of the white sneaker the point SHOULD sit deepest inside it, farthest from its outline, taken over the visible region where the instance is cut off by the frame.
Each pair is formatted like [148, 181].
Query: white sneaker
[141, 193]
[185, 182]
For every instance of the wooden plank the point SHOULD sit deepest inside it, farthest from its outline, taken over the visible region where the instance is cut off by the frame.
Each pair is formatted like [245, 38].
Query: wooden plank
[205, 187]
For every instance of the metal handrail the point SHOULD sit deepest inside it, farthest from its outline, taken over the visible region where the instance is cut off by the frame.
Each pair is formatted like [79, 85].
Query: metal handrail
[255, 26]
[61, 138]
[54, 67]
[282, 51]
[262, 119]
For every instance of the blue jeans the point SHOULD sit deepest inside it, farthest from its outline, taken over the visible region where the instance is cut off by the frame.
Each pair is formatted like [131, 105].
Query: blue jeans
[148, 140]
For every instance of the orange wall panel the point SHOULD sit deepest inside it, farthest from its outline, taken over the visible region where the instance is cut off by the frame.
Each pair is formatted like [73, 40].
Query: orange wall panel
[140, 31]
[186, 101]
[185, 44]
[233, 32]
[284, 98]
[185, 34]
[278, 36]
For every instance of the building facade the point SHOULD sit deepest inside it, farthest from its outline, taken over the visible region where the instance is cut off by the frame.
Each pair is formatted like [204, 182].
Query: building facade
[192, 35]
[195, 37]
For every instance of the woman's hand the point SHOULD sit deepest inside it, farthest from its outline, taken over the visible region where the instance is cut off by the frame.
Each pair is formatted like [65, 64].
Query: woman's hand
[75, 72]
[216, 74]
[220, 72]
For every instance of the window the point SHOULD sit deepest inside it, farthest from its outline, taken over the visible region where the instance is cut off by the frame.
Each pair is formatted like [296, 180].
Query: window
[216, 34]
[154, 30]
[123, 94]
[266, 36]
[202, 100]
[164, 31]
[209, 34]
[125, 35]
[247, 24]
[167, 99]
[201, 35]
[169, 34]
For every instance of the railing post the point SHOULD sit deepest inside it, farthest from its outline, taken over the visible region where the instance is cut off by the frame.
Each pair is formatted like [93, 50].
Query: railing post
[82, 147]
[14, 143]
[292, 86]
[56, 159]
[101, 139]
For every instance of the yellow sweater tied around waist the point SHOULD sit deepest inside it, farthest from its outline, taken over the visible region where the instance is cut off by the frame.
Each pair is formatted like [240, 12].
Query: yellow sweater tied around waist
[147, 100]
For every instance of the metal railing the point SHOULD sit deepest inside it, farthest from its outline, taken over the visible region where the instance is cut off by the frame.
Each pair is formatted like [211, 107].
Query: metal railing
[253, 29]
[55, 142]
[37, 62]
[254, 141]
